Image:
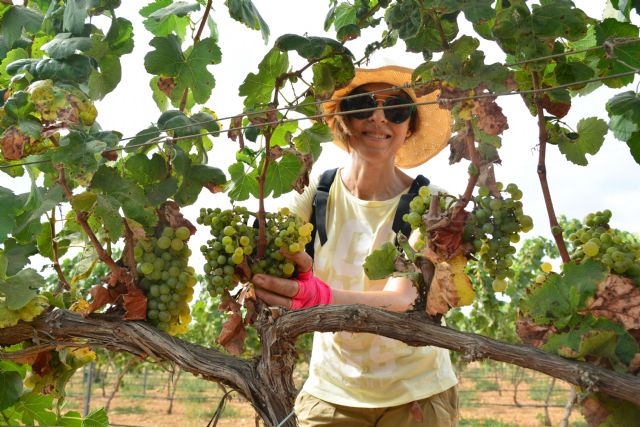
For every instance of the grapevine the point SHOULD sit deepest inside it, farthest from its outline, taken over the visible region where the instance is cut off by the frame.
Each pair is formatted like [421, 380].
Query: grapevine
[167, 279]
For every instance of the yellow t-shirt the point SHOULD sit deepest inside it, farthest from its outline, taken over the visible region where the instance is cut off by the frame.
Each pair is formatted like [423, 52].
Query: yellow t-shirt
[360, 369]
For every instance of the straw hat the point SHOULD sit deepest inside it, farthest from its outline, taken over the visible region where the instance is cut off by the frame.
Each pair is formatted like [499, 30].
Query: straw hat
[432, 126]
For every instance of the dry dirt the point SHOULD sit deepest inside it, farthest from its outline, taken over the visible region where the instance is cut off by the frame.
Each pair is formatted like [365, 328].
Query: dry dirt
[480, 406]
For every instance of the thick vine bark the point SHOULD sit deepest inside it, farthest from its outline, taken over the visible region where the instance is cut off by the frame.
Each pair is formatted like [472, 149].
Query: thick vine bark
[267, 381]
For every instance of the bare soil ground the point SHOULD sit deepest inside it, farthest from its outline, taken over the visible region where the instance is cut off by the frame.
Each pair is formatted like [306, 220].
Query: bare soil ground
[483, 402]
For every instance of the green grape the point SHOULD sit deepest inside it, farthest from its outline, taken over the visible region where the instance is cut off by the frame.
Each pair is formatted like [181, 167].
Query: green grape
[163, 242]
[183, 233]
[177, 244]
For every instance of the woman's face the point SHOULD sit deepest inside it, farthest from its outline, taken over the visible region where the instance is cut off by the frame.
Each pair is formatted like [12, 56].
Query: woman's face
[376, 138]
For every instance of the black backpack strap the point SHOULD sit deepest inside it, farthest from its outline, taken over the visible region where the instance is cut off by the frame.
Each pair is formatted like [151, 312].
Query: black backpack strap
[319, 209]
[403, 205]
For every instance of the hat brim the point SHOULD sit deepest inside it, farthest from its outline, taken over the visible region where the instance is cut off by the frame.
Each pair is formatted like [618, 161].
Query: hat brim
[433, 124]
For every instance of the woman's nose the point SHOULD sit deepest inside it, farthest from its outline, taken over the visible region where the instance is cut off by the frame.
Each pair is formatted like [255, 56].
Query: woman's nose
[378, 114]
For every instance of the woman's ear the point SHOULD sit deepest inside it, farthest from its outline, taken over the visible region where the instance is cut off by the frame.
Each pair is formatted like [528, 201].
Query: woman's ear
[409, 133]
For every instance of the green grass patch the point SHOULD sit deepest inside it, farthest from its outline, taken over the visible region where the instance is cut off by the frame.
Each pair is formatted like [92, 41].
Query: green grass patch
[199, 411]
[483, 384]
[467, 398]
[129, 410]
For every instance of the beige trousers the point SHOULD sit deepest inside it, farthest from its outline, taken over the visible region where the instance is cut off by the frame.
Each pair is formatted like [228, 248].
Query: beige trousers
[440, 410]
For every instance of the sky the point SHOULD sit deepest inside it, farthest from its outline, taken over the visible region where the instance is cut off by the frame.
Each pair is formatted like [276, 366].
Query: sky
[610, 181]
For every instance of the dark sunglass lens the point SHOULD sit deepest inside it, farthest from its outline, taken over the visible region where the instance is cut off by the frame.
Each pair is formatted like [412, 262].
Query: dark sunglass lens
[399, 114]
[359, 103]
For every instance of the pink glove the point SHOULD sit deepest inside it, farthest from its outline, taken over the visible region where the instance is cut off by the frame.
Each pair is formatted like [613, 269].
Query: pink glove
[311, 291]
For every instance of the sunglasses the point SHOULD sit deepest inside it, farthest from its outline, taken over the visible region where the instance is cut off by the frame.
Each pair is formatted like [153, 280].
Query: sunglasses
[403, 110]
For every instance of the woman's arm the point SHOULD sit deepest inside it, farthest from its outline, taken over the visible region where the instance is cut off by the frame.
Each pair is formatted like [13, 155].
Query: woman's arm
[397, 295]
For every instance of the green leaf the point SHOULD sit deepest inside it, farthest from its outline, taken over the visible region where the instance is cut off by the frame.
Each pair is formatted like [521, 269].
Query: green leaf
[160, 192]
[624, 125]
[323, 82]
[80, 154]
[105, 80]
[242, 185]
[572, 71]
[381, 263]
[48, 201]
[189, 68]
[75, 13]
[10, 389]
[625, 102]
[142, 137]
[258, 87]
[97, 418]
[15, 20]
[170, 24]
[558, 298]
[178, 8]
[44, 241]
[144, 170]
[559, 18]
[4, 263]
[64, 44]
[345, 14]
[348, 32]
[281, 175]
[279, 135]
[309, 140]
[129, 194]
[9, 206]
[107, 211]
[17, 255]
[74, 68]
[634, 145]
[608, 63]
[583, 342]
[35, 407]
[591, 132]
[120, 37]
[478, 11]
[193, 181]
[245, 12]
[21, 288]
[12, 55]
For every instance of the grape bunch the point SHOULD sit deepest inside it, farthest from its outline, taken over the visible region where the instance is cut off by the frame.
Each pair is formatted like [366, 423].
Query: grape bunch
[493, 228]
[234, 240]
[419, 206]
[618, 250]
[167, 280]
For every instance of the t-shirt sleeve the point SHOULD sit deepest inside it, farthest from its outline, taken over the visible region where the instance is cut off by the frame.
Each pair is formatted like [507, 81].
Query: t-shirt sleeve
[301, 204]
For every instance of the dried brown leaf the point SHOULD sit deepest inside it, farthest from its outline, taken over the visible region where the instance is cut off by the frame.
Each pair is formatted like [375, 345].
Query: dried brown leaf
[41, 365]
[594, 411]
[135, 305]
[618, 299]
[530, 333]
[13, 142]
[446, 231]
[101, 297]
[169, 214]
[166, 85]
[558, 109]
[233, 334]
[458, 147]
[425, 88]
[490, 118]
[234, 133]
[442, 294]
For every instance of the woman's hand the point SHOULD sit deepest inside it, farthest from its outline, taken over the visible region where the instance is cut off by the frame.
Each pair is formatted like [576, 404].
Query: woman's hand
[305, 291]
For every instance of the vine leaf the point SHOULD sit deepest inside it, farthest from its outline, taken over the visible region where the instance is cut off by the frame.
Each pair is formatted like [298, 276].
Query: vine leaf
[18, 290]
[189, 68]
[64, 44]
[10, 388]
[258, 87]
[36, 407]
[309, 140]
[14, 20]
[17, 254]
[135, 305]
[9, 207]
[233, 330]
[107, 211]
[242, 184]
[178, 8]
[168, 24]
[244, 11]
[558, 298]
[129, 194]
[591, 132]
[75, 13]
[194, 179]
[281, 175]
[381, 263]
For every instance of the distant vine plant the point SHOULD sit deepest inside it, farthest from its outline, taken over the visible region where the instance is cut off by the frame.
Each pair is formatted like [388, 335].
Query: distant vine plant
[119, 199]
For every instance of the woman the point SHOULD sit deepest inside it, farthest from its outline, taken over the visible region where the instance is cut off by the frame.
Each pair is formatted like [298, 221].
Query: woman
[365, 379]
